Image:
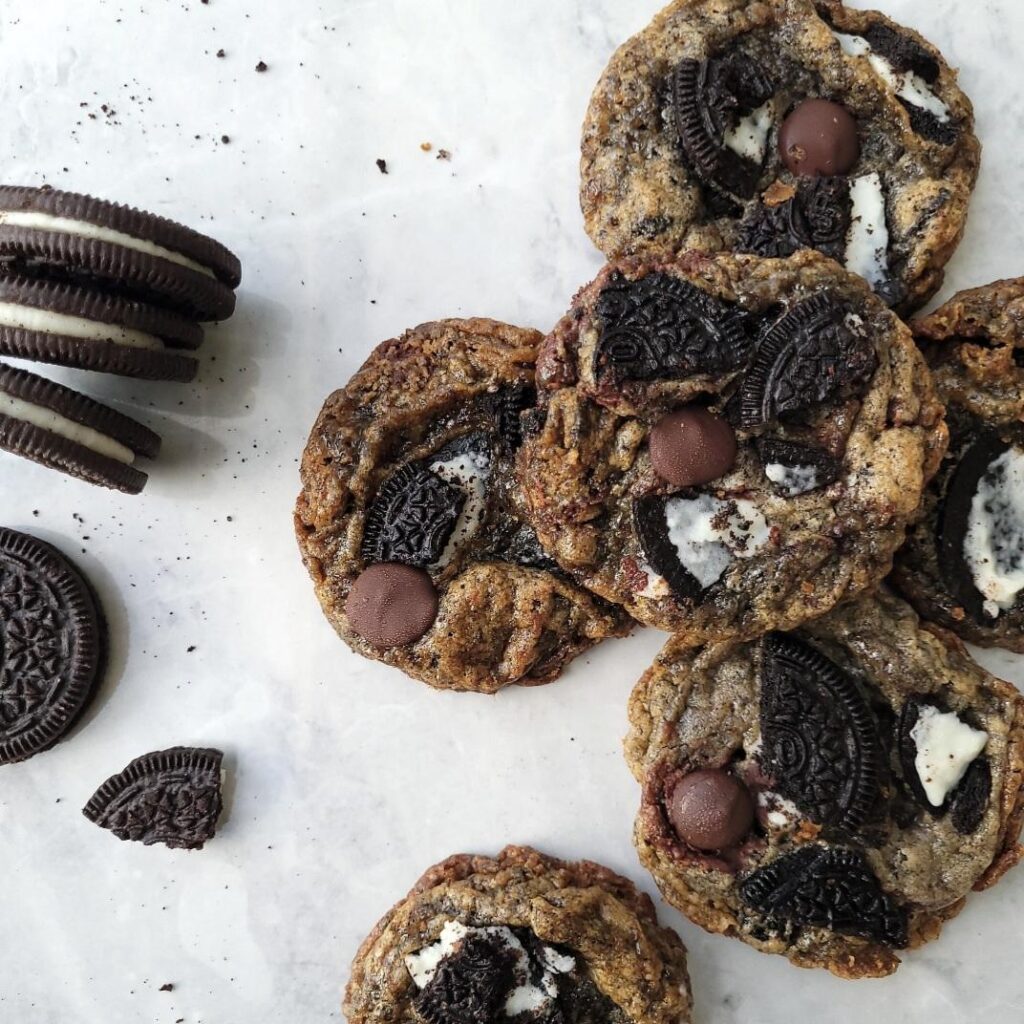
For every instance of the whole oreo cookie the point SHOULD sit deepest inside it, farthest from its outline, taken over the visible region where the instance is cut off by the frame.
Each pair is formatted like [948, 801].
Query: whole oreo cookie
[52, 645]
[75, 238]
[883, 765]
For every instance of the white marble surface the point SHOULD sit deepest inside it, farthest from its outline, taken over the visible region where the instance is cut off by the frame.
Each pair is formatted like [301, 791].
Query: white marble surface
[348, 779]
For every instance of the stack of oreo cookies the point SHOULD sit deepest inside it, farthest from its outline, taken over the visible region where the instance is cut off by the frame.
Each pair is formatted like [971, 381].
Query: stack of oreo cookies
[93, 285]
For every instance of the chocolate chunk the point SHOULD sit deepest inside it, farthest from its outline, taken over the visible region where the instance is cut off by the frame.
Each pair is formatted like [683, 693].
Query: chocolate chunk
[651, 528]
[820, 739]
[692, 446]
[819, 139]
[969, 800]
[170, 797]
[826, 887]
[412, 517]
[662, 327]
[708, 98]
[471, 985]
[816, 217]
[52, 640]
[806, 469]
[816, 352]
[391, 605]
[710, 809]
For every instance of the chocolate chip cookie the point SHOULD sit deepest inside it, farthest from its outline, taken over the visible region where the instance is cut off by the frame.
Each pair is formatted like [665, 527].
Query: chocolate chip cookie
[410, 527]
[774, 126]
[963, 564]
[728, 444]
[524, 938]
[831, 794]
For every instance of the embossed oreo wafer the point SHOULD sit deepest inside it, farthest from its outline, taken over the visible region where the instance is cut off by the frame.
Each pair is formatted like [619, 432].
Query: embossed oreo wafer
[59, 428]
[94, 330]
[48, 233]
[52, 640]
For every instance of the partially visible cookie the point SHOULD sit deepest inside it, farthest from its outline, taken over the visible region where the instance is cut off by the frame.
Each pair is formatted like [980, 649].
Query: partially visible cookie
[524, 938]
[409, 524]
[963, 564]
[831, 794]
[52, 645]
[774, 126]
[63, 430]
[728, 444]
[66, 236]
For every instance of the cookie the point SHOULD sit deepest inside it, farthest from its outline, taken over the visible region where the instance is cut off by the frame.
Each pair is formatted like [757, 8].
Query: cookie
[781, 125]
[94, 330]
[522, 937]
[409, 523]
[69, 237]
[831, 794]
[170, 796]
[728, 444]
[59, 428]
[52, 644]
[963, 564]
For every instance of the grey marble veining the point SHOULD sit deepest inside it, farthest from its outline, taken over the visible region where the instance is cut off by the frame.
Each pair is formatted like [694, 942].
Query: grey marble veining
[347, 779]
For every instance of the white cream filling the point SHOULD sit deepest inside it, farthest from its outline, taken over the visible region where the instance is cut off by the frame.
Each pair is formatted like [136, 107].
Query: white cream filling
[708, 534]
[749, 137]
[908, 85]
[43, 321]
[657, 586]
[470, 472]
[47, 419]
[83, 229]
[945, 747]
[793, 480]
[994, 541]
[867, 241]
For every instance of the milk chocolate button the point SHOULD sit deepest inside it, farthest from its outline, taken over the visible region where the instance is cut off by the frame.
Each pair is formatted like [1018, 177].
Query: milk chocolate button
[391, 605]
[710, 809]
[692, 446]
[819, 138]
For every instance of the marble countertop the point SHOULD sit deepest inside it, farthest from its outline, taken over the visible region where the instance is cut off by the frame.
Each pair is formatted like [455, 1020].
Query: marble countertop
[346, 779]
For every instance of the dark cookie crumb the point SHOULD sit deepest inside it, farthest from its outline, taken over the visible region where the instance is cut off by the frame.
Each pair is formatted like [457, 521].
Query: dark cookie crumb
[382, 165]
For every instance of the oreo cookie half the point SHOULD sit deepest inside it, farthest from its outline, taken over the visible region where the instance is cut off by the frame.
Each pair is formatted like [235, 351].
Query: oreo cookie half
[59, 428]
[76, 238]
[94, 330]
[52, 641]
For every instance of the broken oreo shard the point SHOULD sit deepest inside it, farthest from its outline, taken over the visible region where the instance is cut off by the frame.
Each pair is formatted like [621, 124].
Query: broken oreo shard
[797, 469]
[970, 799]
[651, 526]
[826, 887]
[708, 99]
[523, 548]
[818, 351]
[170, 796]
[662, 327]
[470, 985]
[509, 405]
[820, 740]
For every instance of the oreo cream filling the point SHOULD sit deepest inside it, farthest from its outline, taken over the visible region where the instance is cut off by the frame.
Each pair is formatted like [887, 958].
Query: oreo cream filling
[749, 136]
[793, 480]
[945, 747]
[994, 541]
[44, 321]
[867, 241]
[470, 471]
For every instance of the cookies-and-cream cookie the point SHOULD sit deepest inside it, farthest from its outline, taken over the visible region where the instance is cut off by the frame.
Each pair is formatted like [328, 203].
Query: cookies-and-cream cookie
[778, 125]
[831, 794]
[728, 444]
[409, 524]
[522, 938]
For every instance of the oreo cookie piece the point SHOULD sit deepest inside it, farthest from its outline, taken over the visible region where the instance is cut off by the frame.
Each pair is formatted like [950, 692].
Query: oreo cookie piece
[94, 330]
[795, 468]
[170, 796]
[52, 645]
[76, 238]
[63, 430]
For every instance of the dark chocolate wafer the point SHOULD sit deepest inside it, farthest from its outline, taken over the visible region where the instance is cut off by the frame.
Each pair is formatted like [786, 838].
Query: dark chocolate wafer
[59, 428]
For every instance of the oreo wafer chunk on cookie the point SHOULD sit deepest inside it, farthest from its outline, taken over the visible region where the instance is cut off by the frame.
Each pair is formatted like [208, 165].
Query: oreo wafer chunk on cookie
[70, 237]
[59, 428]
[94, 330]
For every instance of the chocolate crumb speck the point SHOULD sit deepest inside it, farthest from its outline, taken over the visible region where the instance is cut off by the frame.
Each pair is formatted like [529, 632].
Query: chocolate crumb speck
[382, 165]
[225, 139]
[168, 987]
[444, 154]
[261, 67]
[221, 53]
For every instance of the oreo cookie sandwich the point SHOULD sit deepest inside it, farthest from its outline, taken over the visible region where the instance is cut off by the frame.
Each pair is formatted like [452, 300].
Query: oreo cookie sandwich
[85, 241]
[63, 430]
[52, 646]
[831, 794]
[728, 444]
[409, 522]
[963, 564]
[781, 125]
[94, 330]
[524, 938]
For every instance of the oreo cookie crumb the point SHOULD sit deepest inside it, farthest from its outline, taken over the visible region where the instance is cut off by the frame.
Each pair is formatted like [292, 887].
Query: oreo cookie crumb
[382, 165]
[168, 987]
[444, 154]
[261, 67]
[221, 53]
